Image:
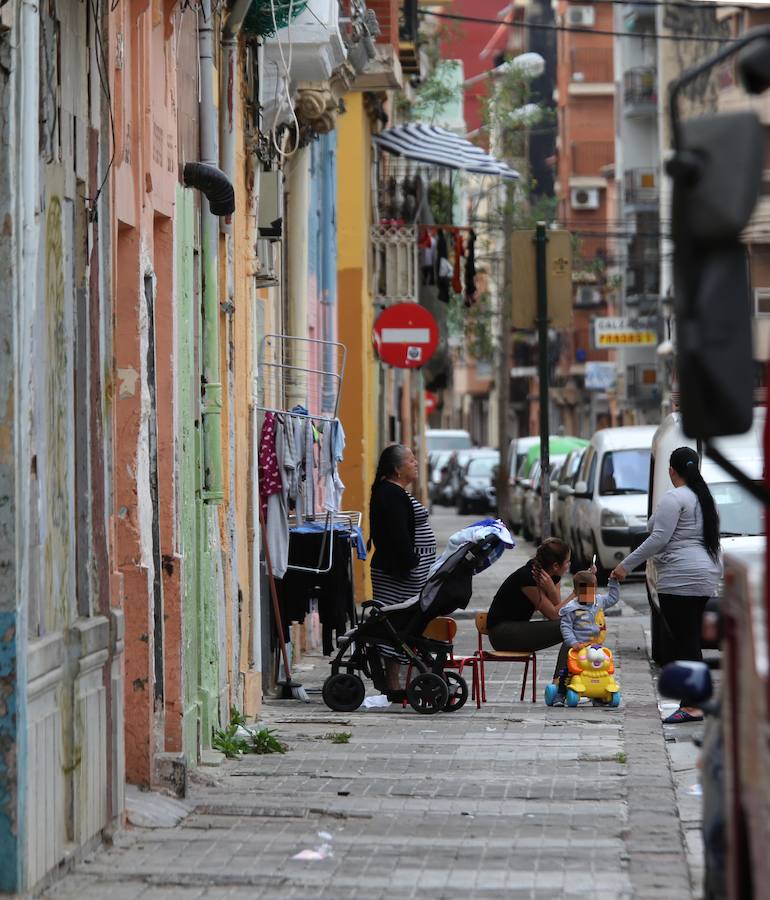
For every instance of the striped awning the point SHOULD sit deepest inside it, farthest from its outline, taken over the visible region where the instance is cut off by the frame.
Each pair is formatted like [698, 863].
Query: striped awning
[439, 147]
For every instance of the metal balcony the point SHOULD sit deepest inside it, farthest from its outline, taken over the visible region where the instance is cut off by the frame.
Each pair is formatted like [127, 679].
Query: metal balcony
[640, 189]
[640, 91]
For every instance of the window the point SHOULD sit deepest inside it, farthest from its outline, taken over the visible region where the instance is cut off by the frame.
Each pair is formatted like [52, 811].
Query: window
[739, 512]
[625, 472]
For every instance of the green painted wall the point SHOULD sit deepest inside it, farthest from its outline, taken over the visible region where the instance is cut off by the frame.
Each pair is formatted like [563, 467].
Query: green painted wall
[197, 521]
[188, 461]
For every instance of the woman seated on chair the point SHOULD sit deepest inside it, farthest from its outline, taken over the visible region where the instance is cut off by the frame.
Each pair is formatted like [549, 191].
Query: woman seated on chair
[532, 588]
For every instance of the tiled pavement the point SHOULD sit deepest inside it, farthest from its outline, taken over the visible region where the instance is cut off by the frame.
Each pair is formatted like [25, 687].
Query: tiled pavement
[513, 800]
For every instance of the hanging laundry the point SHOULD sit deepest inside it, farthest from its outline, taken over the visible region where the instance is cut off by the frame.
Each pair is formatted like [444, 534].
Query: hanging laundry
[305, 462]
[277, 520]
[332, 446]
[427, 247]
[444, 268]
[269, 474]
[470, 271]
[457, 283]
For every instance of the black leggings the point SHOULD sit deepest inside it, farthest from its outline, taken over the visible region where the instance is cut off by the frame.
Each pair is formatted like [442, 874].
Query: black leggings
[530, 636]
[684, 617]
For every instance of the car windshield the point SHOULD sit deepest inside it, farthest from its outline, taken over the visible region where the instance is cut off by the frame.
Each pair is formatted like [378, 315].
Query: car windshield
[739, 512]
[448, 442]
[625, 472]
[482, 468]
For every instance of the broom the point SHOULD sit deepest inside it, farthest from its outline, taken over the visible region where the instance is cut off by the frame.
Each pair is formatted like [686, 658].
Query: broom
[290, 690]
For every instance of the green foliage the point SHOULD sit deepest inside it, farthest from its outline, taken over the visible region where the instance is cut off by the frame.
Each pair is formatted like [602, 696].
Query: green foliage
[440, 200]
[264, 741]
[226, 741]
[620, 757]
[338, 737]
[435, 92]
[236, 718]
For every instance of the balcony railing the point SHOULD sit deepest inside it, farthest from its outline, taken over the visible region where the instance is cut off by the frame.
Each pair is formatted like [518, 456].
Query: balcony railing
[640, 91]
[590, 157]
[640, 188]
[592, 66]
[408, 25]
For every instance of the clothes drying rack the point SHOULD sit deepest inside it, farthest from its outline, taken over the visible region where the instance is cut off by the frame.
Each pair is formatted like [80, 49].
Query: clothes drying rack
[347, 520]
[305, 372]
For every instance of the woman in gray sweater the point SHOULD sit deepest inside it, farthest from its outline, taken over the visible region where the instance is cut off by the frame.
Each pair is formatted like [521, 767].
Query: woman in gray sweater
[684, 540]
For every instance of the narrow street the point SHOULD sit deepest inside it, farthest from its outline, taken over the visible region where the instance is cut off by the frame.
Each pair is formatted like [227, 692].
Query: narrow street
[515, 799]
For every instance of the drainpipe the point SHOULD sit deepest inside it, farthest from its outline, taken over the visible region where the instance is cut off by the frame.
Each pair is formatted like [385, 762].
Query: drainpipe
[298, 203]
[211, 401]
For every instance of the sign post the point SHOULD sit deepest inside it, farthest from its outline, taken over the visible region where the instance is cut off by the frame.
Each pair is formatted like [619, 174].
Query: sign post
[541, 275]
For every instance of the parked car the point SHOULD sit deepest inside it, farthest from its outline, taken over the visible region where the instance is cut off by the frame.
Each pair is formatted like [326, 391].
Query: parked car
[450, 480]
[556, 446]
[477, 491]
[562, 495]
[447, 439]
[517, 451]
[532, 499]
[741, 517]
[437, 464]
[611, 496]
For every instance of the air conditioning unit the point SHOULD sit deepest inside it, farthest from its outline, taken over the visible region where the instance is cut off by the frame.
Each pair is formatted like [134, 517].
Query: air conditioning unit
[584, 198]
[581, 16]
[585, 295]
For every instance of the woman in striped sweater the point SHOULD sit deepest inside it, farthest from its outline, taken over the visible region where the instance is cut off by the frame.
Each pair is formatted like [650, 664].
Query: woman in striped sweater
[399, 526]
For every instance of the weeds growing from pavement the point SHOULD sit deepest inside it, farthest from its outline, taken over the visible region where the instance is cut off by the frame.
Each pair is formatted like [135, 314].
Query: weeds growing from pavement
[264, 741]
[226, 741]
[338, 737]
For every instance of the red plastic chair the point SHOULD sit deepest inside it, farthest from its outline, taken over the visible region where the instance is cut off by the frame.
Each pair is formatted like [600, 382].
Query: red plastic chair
[508, 656]
[444, 628]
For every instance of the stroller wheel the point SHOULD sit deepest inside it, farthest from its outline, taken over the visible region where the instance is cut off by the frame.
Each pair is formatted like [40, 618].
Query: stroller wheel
[458, 691]
[343, 692]
[427, 693]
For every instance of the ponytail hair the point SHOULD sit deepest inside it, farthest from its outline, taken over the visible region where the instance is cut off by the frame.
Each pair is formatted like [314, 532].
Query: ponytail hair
[390, 460]
[551, 552]
[684, 461]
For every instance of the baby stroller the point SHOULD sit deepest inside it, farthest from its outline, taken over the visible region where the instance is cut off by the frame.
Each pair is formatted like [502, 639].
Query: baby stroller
[400, 627]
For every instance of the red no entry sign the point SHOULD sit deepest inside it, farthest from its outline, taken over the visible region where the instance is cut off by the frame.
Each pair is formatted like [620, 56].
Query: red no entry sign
[405, 335]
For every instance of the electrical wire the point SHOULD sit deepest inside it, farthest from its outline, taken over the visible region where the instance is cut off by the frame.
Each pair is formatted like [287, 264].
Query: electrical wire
[537, 26]
[287, 75]
[102, 69]
[693, 7]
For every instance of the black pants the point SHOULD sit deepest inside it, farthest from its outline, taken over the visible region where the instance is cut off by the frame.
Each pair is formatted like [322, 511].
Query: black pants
[684, 617]
[530, 636]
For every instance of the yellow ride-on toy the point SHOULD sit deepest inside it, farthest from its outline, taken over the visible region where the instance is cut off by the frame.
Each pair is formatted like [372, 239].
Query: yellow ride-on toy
[591, 671]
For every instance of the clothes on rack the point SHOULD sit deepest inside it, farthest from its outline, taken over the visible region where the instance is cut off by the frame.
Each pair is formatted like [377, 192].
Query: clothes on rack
[332, 590]
[332, 446]
[443, 268]
[470, 271]
[274, 493]
[304, 496]
[457, 284]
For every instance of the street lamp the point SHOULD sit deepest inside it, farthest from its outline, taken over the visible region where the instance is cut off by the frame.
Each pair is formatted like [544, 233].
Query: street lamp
[532, 65]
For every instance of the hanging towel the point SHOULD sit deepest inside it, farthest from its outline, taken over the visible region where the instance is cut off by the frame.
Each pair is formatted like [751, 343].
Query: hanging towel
[444, 269]
[277, 522]
[457, 283]
[332, 446]
[470, 271]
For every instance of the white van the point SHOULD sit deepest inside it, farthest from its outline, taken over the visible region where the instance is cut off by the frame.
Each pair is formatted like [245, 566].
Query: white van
[741, 516]
[447, 439]
[610, 497]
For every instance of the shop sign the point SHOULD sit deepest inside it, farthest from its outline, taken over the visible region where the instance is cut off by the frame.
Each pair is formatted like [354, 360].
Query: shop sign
[616, 331]
[601, 376]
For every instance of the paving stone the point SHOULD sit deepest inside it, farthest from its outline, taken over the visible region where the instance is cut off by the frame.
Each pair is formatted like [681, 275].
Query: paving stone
[513, 800]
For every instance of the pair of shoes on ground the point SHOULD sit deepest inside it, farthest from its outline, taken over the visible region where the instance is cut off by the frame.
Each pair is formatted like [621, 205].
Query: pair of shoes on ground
[680, 717]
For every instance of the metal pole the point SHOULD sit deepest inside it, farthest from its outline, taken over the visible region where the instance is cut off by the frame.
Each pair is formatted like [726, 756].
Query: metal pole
[541, 241]
[504, 362]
